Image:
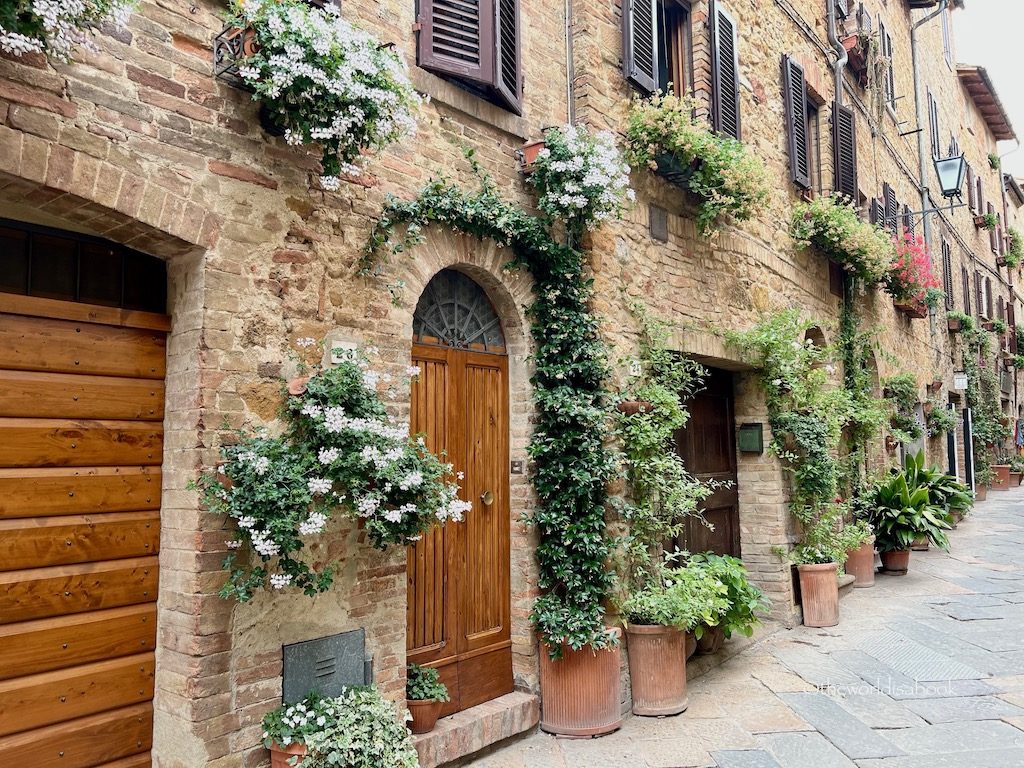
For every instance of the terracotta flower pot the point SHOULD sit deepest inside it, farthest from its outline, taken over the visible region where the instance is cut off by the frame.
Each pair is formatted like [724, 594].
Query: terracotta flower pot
[711, 641]
[860, 563]
[657, 669]
[424, 714]
[819, 594]
[896, 562]
[980, 492]
[691, 644]
[921, 544]
[1001, 482]
[529, 154]
[279, 756]
[1015, 478]
[911, 309]
[580, 691]
[954, 324]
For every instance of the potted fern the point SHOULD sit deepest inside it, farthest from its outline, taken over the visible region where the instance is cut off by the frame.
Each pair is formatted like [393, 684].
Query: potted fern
[425, 696]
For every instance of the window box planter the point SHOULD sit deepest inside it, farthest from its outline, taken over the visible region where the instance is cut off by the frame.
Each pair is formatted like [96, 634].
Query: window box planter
[673, 171]
[954, 324]
[528, 155]
[911, 309]
[580, 691]
[988, 325]
[657, 669]
[819, 594]
[1000, 261]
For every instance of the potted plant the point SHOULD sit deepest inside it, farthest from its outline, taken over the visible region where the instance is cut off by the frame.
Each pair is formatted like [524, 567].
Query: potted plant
[592, 667]
[858, 541]
[909, 279]
[528, 155]
[425, 696]
[1001, 476]
[1016, 463]
[957, 321]
[993, 161]
[743, 599]
[901, 391]
[900, 512]
[831, 225]
[986, 221]
[665, 134]
[939, 420]
[54, 29]
[358, 729]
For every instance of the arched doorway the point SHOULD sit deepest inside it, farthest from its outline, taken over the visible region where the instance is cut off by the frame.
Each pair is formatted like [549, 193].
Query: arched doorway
[459, 605]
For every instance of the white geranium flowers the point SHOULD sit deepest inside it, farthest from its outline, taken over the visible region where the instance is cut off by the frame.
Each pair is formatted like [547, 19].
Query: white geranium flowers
[54, 27]
[326, 82]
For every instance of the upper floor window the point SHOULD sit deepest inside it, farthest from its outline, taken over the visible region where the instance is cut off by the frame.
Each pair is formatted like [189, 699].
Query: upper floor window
[475, 43]
[889, 77]
[656, 45]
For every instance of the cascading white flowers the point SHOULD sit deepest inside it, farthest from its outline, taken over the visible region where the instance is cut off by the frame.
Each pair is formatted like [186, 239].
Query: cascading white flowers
[581, 176]
[55, 27]
[326, 82]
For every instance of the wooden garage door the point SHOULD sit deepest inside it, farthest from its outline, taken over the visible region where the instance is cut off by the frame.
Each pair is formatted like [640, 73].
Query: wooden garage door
[81, 432]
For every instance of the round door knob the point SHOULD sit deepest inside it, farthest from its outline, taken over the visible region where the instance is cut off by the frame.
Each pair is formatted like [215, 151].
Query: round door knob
[487, 497]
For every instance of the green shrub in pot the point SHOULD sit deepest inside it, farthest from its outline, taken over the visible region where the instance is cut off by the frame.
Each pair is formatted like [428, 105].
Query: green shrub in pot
[744, 599]
[686, 598]
[901, 511]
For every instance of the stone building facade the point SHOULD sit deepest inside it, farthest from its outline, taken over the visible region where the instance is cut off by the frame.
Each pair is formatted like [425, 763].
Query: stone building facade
[136, 143]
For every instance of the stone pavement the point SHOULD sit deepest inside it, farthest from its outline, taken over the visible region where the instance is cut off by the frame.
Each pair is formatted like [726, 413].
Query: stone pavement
[923, 671]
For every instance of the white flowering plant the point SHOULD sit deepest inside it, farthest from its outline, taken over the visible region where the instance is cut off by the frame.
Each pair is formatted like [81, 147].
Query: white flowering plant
[340, 452]
[358, 729]
[55, 27]
[581, 177]
[325, 81]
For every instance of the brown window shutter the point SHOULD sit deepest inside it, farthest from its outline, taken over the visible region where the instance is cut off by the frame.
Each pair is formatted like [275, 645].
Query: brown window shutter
[844, 150]
[457, 38]
[842, 8]
[980, 201]
[966, 278]
[640, 43]
[1000, 311]
[725, 76]
[795, 95]
[972, 197]
[989, 308]
[947, 274]
[979, 293]
[875, 211]
[908, 221]
[993, 233]
[508, 71]
[891, 208]
[999, 234]
[933, 124]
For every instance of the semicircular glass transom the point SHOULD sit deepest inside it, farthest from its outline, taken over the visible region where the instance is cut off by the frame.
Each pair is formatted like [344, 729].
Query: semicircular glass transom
[455, 312]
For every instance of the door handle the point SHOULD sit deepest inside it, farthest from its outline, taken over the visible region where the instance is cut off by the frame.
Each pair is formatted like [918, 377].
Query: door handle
[487, 497]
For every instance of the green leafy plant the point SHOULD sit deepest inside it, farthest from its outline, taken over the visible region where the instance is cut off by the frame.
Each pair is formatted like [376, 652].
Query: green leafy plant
[853, 534]
[424, 684]
[966, 321]
[745, 600]
[939, 419]
[581, 177]
[831, 225]
[1014, 247]
[325, 81]
[983, 472]
[724, 175]
[358, 729]
[821, 540]
[662, 494]
[571, 460]
[902, 511]
[54, 28]
[339, 451]
[901, 391]
[999, 326]
[989, 221]
[983, 394]
[689, 599]
[993, 161]
[1016, 462]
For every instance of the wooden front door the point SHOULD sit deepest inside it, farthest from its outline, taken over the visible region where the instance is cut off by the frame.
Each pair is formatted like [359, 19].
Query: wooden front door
[707, 445]
[459, 603]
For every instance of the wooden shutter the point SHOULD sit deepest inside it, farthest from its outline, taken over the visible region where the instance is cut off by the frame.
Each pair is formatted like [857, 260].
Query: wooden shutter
[972, 192]
[999, 234]
[640, 43]
[947, 274]
[795, 95]
[875, 211]
[980, 197]
[989, 307]
[966, 278]
[979, 293]
[508, 77]
[891, 208]
[844, 150]
[725, 76]
[1000, 311]
[842, 8]
[992, 233]
[908, 221]
[457, 38]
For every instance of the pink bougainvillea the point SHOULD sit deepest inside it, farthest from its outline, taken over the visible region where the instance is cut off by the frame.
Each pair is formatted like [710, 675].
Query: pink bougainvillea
[909, 277]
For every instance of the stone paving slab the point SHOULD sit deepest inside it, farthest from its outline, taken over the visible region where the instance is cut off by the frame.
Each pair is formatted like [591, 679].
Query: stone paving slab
[804, 750]
[746, 758]
[898, 686]
[957, 737]
[915, 660]
[877, 710]
[989, 758]
[840, 727]
[964, 708]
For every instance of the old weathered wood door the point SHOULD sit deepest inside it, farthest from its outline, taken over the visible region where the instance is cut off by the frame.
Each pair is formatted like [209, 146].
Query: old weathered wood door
[81, 440]
[459, 602]
[708, 447]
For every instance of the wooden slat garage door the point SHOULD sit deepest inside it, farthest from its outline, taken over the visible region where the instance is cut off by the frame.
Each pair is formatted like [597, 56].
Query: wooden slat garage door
[81, 433]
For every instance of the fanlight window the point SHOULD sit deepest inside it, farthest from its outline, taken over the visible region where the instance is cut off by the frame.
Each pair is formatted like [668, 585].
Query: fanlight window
[455, 312]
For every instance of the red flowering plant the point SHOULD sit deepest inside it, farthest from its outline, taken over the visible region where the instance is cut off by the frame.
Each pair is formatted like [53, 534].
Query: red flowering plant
[909, 278]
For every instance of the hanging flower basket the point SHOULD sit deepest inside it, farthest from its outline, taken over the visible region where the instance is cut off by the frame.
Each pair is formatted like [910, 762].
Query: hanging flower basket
[675, 172]
[911, 309]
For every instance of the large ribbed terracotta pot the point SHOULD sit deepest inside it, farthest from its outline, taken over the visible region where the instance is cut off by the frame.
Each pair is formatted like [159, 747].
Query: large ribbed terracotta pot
[896, 562]
[1001, 481]
[980, 492]
[579, 692]
[711, 641]
[657, 669]
[1015, 478]
[860, 563]
[279, 756]
[691, 644]
[819, 594]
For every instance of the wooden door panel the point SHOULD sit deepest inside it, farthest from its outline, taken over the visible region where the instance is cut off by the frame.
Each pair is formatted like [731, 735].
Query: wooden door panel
[60, 443]
[67, 396]
[43, 541]
[38, 646]
[38, 700]
[41, 592]
[63, 346]
[75, 491]
[84, 742]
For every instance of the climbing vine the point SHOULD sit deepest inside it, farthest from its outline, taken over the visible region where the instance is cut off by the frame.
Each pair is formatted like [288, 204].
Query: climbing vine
[571, 465]
[987, 426]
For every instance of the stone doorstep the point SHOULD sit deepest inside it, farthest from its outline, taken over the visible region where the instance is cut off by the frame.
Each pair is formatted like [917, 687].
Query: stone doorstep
[473, 729]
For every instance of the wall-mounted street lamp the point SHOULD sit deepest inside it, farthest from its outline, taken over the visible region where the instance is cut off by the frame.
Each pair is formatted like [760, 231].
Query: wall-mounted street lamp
[951, 172]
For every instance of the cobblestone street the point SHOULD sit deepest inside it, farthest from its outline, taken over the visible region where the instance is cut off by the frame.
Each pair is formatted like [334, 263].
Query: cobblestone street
[924, 671]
